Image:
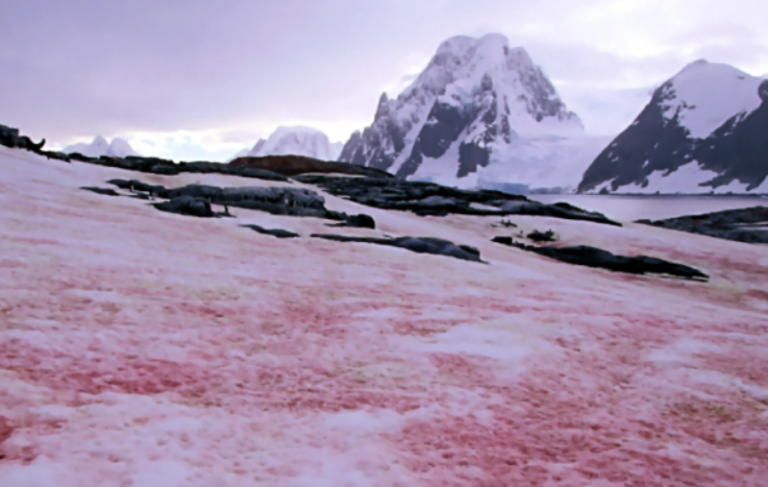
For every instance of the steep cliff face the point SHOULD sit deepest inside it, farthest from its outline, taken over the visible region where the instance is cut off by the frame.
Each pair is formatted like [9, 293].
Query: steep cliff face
[475, 100]
[704, 130]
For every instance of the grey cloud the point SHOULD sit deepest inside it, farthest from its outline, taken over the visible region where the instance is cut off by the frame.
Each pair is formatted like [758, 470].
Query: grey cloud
[85, 67]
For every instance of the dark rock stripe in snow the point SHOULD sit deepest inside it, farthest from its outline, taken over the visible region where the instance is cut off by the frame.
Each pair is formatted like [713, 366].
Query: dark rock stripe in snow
[594, 257]
[275, 232]
[426, 199]
[104, 191]
[423, 245]
[748, 225]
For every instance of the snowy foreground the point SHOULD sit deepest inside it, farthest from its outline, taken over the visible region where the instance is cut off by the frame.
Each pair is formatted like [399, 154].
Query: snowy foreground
[140, 348]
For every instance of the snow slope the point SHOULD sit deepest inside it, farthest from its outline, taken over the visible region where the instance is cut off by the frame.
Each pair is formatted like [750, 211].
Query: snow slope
[100, 147]
[703, 131]
[298, 140]
[177, 351]
[703, 96]
[476, 103]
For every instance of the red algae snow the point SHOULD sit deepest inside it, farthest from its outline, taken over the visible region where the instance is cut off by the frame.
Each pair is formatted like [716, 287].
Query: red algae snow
[141, 349]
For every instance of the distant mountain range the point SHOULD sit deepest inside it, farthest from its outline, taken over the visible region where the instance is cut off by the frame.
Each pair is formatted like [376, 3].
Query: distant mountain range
[101, 147]
[704, 130]
[299, 141]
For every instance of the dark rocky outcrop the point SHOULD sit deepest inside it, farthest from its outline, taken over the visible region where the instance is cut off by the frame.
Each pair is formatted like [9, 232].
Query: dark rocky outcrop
[537, 236]
[357, 221]
[10, 137]
[290, 165]
[748, 225]
[275, 232]
[104, 191]
[422, 245]
[425, 199]
[599, 258]
[157, 165]
[276, 200]
[134, 185]
[187, 205]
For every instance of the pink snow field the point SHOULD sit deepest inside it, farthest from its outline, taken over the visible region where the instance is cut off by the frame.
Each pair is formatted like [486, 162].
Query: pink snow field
[141, 348]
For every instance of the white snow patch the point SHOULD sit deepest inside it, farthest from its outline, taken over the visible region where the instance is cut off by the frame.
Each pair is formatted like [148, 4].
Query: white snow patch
[708, 94]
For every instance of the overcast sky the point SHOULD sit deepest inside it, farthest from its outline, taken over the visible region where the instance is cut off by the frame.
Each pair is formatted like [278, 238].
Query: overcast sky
[193, 79]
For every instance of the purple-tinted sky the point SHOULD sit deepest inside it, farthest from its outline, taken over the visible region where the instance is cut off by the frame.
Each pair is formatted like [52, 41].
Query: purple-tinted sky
[189, 78]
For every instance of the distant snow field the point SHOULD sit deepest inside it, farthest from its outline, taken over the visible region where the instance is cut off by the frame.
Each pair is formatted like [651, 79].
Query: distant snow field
[140, 348]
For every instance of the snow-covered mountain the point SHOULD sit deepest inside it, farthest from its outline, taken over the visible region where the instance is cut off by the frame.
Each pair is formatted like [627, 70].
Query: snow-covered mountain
[100, 147]
[299, 141]
[704, 130]
[481, 113]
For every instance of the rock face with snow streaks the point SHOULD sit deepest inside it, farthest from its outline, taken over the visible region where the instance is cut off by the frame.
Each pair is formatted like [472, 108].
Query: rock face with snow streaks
[474, 102]
[704, 130]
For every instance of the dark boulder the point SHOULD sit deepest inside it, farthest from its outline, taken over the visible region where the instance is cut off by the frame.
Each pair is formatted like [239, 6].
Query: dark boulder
[356, 221]
[187, 205]
[537, 236]
[422, 245]
[275, 232]
[599, 258]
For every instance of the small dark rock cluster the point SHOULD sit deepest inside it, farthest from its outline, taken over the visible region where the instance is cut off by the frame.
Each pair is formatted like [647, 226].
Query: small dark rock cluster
[594, 257]
[422, 245]
[10, 137]
[748, 225]
[537, 236]
[427, 199]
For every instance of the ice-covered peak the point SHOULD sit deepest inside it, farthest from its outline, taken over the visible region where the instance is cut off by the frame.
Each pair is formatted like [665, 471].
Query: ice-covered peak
[296, 140]
[120, 148]
[99, 141]
[101, 147]
[704, 95]
[475, 98]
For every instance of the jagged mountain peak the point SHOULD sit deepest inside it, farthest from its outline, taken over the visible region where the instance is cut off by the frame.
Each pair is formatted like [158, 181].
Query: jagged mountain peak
[475, 96]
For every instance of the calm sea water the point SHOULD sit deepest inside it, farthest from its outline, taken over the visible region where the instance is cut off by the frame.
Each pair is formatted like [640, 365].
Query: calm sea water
[631, 208]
